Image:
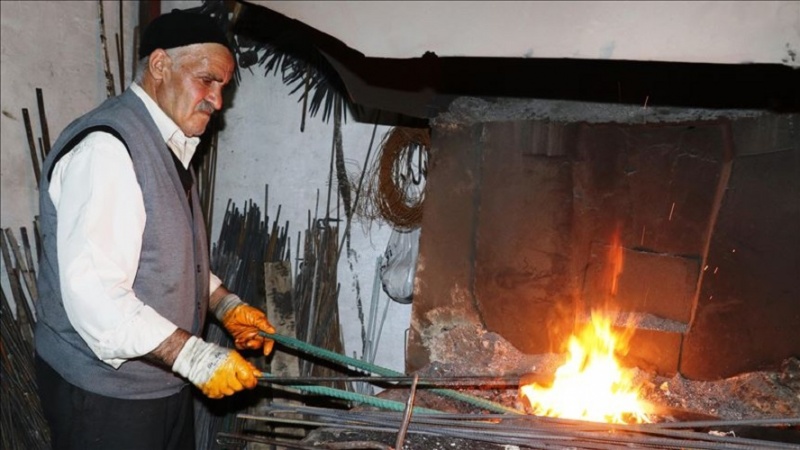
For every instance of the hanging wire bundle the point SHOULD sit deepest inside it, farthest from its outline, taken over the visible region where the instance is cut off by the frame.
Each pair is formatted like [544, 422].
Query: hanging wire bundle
[396, 188]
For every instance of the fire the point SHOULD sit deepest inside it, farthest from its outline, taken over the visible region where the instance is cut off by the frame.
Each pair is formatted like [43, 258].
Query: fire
[592, 385]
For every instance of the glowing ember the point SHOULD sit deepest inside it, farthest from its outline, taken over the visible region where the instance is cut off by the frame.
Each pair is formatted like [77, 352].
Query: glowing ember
[592, 385]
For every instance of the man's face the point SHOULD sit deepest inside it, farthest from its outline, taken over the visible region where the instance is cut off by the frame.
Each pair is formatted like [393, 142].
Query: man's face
[192, 86]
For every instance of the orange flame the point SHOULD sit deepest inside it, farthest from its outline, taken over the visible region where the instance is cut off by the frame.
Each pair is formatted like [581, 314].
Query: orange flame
[592, 385]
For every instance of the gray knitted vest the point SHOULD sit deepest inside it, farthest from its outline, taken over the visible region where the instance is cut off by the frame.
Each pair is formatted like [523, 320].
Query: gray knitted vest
[173, 270]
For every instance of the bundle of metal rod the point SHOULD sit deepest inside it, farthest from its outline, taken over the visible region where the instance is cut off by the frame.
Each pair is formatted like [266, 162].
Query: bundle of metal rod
[316, 294]
[245, 243]
[21, 277]
[21, 417]
[540, 432]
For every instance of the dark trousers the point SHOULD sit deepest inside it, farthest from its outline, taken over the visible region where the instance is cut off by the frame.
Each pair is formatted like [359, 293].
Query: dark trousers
[81, 420]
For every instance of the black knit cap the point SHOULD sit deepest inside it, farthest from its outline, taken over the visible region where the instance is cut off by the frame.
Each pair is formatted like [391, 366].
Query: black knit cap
[179, 28]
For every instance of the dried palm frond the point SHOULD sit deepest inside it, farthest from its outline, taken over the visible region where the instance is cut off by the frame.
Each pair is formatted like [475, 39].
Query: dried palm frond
[306, 69]
[290, 52]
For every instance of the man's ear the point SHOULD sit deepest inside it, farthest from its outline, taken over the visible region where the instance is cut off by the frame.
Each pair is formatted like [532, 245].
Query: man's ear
[158, 63]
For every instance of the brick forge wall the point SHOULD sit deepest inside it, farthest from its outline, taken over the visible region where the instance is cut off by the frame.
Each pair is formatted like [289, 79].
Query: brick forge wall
[520, 216]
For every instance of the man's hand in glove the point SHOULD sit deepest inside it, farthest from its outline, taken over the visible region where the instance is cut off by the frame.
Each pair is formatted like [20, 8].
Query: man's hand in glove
[244, 323]
[216, 370]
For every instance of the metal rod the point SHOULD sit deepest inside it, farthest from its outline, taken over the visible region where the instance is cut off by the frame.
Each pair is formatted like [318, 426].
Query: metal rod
[482, 381]
[110, 89]
[401, 435]
[43, 123]
[31, 145]
[542, 432]
[380, 329]
[358, 188]
[33, 288]
[121, 47]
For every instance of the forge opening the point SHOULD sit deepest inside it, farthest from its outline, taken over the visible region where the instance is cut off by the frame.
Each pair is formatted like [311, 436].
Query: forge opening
[526, 198]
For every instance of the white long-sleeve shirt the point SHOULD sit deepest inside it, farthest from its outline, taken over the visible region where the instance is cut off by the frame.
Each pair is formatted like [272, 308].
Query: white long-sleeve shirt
[101, 219]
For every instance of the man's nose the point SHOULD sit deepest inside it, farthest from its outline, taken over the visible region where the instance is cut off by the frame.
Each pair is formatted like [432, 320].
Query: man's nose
[215, 98]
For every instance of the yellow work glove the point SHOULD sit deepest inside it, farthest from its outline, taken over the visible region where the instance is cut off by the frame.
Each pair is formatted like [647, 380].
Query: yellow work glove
[245, 323]
[216, 370]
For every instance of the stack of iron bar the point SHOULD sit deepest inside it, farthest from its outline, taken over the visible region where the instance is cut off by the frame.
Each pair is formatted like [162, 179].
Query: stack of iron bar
[245, 242]
[523, 431]
[21, 418]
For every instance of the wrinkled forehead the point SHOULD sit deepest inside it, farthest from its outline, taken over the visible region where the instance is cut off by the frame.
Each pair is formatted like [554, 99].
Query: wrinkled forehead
[214, 58]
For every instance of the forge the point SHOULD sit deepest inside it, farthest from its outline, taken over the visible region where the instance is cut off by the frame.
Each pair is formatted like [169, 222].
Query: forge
[526, 197]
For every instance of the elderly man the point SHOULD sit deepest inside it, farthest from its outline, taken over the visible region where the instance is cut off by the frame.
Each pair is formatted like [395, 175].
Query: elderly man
[124, 281]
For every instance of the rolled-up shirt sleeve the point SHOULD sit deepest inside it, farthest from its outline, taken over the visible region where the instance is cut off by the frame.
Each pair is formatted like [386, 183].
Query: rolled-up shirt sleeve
[101, 219]
[213, 283]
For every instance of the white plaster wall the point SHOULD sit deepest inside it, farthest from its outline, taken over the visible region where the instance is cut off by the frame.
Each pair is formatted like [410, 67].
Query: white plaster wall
[55, 46]
[681, 31]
